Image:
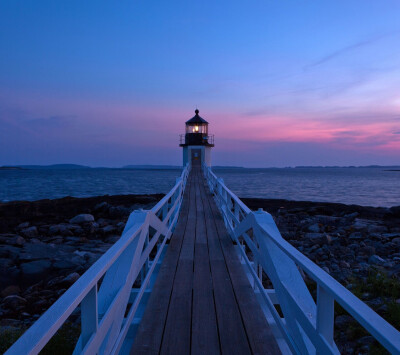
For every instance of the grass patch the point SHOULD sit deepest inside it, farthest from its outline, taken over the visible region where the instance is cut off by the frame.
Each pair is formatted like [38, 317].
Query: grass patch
[9, 337]
[378, 284]
[62, 343]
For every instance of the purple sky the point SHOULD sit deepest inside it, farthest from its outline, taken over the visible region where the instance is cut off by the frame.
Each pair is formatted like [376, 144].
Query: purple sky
[281, 83]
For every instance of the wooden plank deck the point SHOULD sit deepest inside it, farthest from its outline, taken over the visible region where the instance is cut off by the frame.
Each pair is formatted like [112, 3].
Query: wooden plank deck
[202, 301]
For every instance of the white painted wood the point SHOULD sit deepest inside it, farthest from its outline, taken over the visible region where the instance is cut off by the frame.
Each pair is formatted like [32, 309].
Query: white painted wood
[325, 314]
[89, 319]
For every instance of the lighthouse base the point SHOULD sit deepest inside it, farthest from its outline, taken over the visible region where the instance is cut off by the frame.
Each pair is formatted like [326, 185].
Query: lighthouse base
[197, 155]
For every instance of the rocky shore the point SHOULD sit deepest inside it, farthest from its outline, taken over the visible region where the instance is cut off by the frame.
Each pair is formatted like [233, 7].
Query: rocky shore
[46, 245]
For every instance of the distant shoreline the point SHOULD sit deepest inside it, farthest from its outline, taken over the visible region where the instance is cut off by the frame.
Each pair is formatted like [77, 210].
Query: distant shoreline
[11, 168]
[176, 167]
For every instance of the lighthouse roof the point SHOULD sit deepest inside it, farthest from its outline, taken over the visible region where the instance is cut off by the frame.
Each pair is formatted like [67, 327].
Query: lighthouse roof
[196, 118]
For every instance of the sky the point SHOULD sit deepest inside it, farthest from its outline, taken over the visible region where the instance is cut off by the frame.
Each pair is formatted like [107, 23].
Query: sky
[281, 82]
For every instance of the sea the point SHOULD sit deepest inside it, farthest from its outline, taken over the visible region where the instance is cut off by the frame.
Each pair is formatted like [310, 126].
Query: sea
[366, 186]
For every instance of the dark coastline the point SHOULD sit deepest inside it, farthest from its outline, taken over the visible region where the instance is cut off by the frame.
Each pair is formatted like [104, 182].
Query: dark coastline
[55, 210]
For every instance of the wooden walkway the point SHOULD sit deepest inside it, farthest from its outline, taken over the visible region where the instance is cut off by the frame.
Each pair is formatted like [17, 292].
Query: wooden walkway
[202, 301]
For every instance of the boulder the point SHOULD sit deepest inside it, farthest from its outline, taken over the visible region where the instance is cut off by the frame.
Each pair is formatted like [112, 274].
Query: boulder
[82, 218]
[344, 264]
[17, 240]
[71, 278]
[391, 235]
[29, 232]
[36, 251]
[351, 216]
[10, 290]
[374, 228]
[23, 225]
[14, 301]
[108, 229]
[343, 321]
[34, 268]
[102, 206]
[59, 229]
[376, 260]
[360, 224]
[314, 228]
[64, 264]
[118, 211]
[318, 238]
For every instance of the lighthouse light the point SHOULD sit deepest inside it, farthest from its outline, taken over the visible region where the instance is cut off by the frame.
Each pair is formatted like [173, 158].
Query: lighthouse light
[196, 128]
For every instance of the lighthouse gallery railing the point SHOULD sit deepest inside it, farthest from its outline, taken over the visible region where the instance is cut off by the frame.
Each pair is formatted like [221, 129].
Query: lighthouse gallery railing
[107, 313]
[306, 326]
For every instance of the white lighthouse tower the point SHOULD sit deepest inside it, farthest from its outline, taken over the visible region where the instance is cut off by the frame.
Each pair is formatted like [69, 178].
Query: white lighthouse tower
[196, 142]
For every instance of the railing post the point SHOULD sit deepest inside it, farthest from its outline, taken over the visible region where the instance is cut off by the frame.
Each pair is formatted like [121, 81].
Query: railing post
[236, 212]
[89, 317]
[325, 314]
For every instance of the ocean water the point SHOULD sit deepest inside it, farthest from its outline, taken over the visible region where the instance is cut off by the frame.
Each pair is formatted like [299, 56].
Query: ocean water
[362, 186]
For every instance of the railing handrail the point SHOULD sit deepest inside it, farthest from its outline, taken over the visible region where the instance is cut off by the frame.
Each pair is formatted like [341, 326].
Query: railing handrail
[379, 328]
[36, 337]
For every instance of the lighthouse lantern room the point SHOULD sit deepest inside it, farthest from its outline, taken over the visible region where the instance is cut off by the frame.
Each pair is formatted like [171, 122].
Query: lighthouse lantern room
[196, 142]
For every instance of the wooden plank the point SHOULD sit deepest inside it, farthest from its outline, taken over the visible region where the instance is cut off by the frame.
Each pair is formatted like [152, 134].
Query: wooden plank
[149, 336]
[261, 338]
[177, 333]
[232, 335]
[205, 338]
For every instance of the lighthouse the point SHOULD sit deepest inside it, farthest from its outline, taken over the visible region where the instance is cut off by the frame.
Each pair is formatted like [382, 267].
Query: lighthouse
[196, 142]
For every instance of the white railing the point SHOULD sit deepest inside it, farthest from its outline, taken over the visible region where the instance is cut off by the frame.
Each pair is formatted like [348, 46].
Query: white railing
[306, 326]
[107, 313]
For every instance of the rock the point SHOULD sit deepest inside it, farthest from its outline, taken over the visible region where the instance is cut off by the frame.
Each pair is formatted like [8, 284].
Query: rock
[396, 240]
[38, 267]
[318, 238]
[108, 229]
[368, 250]
[17, 240]
[351, 215]
[101, 206]
[36, 251]
[8, 272]
[14, 301]
[344, 264]
[118, 212]
[114, 238]
[356, 235]
[29, 232]
[376, 260]
[71, 278]
[328, 220]
[360, 224]
[343, 321]
[390, 235]
[82, 218]
[314, 228]
[376, 229]
[64, 264]
[10, 290]
[23, 225]
[60, 229]
[366, 340]
[326, 269]
[121, 225]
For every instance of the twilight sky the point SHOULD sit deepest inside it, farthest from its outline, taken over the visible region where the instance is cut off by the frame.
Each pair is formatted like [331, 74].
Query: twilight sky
[282, 82]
